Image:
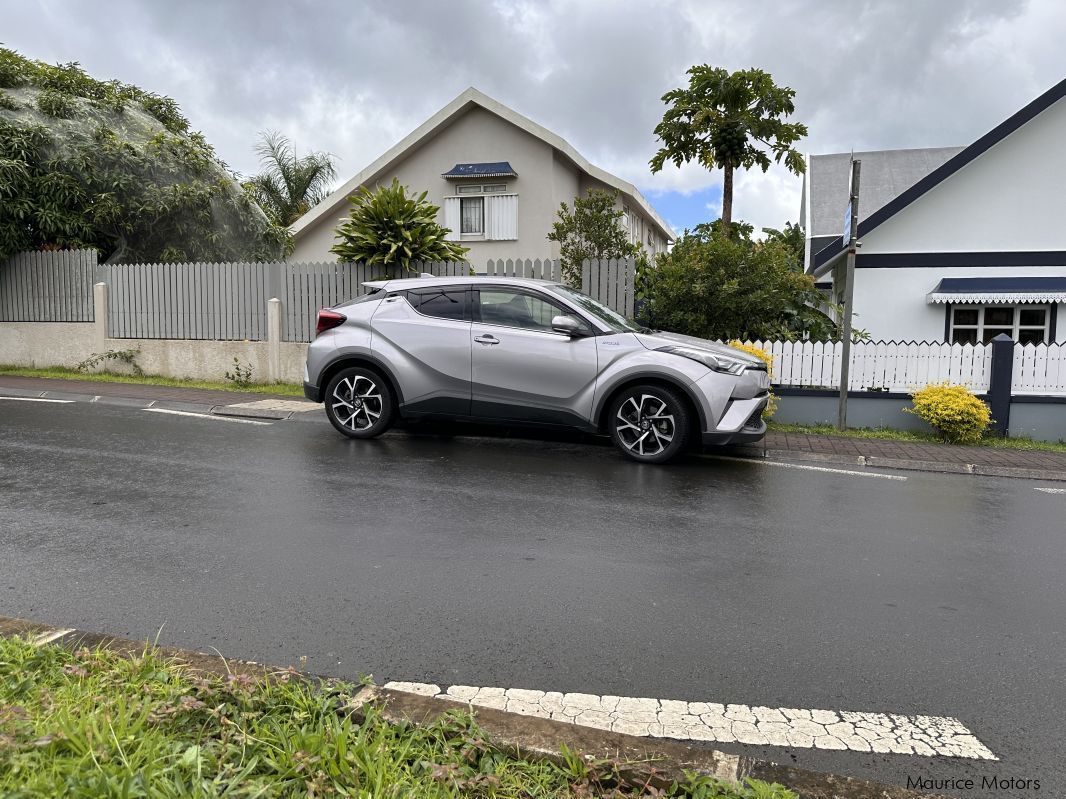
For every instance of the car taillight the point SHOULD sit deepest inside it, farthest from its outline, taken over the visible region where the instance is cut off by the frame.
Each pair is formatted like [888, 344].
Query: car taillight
[327, 320]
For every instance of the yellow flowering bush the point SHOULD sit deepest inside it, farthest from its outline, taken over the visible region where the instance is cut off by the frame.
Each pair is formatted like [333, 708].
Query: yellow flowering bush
[766, 358]
[956, 414]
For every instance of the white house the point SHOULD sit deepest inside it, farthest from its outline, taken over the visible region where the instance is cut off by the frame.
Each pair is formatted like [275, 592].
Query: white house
[498, 178]
[957, 244]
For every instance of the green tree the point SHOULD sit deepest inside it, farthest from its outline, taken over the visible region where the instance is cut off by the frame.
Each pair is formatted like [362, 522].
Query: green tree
[716, 286]
[793, 238]
[110, 166]
[592, 229]
[289, 186]
[729, 121]
[391, 228]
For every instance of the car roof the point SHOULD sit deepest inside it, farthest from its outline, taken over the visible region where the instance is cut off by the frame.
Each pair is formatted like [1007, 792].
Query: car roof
[462, 280]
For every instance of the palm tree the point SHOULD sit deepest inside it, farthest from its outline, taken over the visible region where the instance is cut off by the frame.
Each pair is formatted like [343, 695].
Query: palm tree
[288, 187]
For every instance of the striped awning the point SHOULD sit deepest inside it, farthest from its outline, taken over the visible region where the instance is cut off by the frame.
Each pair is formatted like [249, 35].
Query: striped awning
[493, 169]
[999, 290]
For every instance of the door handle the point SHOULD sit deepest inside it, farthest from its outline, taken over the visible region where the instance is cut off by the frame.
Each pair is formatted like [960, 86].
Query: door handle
[487, 338]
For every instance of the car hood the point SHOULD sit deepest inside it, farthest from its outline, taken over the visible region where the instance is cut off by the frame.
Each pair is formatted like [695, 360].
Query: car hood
[654, 341]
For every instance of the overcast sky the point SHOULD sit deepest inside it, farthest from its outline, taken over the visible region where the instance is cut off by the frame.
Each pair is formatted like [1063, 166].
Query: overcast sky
[352, 78]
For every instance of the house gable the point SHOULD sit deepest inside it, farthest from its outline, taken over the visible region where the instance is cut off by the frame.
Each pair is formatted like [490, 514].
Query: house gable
[989, 197]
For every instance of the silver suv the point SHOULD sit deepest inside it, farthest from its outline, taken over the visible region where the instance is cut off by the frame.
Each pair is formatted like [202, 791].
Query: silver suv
[513, 350]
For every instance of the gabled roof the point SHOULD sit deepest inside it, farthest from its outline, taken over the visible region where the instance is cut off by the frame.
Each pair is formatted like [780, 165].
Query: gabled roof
[495, 169]
[870, 222]
[460, 105]
[886, 174]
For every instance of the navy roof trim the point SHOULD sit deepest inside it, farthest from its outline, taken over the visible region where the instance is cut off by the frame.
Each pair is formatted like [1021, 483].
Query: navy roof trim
[950, 167]
[492, 169]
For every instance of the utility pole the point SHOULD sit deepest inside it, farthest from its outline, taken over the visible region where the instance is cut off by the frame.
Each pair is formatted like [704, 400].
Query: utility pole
[849, 295]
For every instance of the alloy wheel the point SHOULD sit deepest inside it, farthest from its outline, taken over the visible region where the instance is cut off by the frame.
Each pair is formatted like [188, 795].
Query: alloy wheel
[357, 403]
[645, 426]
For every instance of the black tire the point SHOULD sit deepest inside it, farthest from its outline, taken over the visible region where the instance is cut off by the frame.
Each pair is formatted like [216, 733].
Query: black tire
[649, 412]
[359, 403]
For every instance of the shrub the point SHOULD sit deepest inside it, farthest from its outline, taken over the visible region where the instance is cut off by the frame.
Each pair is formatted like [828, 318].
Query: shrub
[768, 359]
[957, 415]
[390, 228]
[56, 104]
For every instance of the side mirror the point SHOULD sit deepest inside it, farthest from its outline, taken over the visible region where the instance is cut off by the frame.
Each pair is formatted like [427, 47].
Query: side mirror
[569, 325]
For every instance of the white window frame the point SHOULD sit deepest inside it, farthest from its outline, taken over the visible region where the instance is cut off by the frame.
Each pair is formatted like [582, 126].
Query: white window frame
[1016, 325]
[480, 233]
[626, 219]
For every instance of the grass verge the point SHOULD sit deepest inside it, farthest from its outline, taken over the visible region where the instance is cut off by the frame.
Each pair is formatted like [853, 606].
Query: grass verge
[915, 436]
[63, 373]
[94, 723]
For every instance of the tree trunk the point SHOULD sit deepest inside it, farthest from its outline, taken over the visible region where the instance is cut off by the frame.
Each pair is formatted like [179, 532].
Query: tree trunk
[727, 200]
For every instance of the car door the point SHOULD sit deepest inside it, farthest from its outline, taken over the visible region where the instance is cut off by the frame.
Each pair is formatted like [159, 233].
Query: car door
[520, 368]
[424, 336]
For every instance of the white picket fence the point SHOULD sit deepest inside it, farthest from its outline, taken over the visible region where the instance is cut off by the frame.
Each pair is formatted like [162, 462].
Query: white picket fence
[904, 367]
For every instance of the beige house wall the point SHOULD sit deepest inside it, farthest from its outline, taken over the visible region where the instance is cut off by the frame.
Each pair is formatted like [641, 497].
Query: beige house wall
[544, 180]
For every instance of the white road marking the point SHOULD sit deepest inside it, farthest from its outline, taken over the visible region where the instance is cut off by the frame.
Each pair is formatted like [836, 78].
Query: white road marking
[1051, 490]
[807, 468]
[36, 399]
[204, 416]
[48, 637]
[710, 721]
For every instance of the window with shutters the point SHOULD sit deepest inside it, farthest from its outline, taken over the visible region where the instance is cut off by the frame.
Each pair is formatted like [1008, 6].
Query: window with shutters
[472, 215]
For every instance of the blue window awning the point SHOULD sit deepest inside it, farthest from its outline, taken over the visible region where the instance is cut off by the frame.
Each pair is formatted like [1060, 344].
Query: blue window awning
[988, 290]
[492, 169]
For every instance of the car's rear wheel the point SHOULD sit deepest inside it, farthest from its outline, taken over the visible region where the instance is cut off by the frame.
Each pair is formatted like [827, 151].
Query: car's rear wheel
[649, 423]
[359, 403]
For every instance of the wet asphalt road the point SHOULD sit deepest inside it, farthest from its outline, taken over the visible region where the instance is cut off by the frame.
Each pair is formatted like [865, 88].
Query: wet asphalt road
[553, 565]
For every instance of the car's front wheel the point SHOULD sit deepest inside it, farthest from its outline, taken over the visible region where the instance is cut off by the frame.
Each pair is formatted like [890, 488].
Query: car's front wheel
[649, 423]
[359, 403]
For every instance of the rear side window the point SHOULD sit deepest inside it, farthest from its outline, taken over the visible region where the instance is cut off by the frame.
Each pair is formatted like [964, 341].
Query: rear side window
[439, 303]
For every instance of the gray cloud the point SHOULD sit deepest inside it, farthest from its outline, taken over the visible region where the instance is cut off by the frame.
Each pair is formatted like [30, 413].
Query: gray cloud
[353, 78]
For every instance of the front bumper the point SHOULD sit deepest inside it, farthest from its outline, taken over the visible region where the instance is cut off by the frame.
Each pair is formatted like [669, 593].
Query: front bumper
[742, 423]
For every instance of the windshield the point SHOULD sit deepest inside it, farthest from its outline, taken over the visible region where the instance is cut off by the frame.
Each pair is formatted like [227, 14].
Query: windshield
[613, 319]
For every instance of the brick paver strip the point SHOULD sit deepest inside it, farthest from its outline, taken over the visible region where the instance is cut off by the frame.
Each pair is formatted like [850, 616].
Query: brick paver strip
[904, 450]
[134, 390]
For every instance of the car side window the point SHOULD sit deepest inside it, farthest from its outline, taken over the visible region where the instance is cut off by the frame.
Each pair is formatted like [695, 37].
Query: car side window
[518, 309]
[439, 303]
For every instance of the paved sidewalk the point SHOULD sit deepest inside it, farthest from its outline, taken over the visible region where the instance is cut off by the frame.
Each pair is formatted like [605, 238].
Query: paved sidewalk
[947, 454]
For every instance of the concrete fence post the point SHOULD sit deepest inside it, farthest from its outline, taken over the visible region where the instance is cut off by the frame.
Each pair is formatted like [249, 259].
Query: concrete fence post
[999, 386]
[274, 339]
[100, 317]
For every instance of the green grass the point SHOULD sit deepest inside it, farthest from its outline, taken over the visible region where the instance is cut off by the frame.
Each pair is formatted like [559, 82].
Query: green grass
[915, 436]
[93, 723]
[62, 372]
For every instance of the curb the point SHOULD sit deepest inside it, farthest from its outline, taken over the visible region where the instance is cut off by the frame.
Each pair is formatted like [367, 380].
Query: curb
[877, 462]
[657, 762]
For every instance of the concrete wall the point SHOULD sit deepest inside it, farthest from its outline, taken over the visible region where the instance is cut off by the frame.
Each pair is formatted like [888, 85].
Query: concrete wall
[890, 303]
[43, 344]
[862, 412]
[1042, 421]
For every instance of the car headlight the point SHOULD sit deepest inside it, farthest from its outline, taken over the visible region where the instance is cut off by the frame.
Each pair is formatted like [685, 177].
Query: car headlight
[712, 360]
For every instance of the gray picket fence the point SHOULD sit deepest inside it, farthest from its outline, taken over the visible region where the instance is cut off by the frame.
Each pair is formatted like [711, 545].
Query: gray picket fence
[228, 301]
[54, 286]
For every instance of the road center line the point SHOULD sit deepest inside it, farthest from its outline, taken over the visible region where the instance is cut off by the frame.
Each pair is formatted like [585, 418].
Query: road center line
[1051, 490]
[36, 399]
[710, 721]
[807, 468]
[204, 416]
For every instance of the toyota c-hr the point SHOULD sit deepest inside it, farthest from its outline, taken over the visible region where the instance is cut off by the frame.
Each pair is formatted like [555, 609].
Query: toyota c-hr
[514, 350]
